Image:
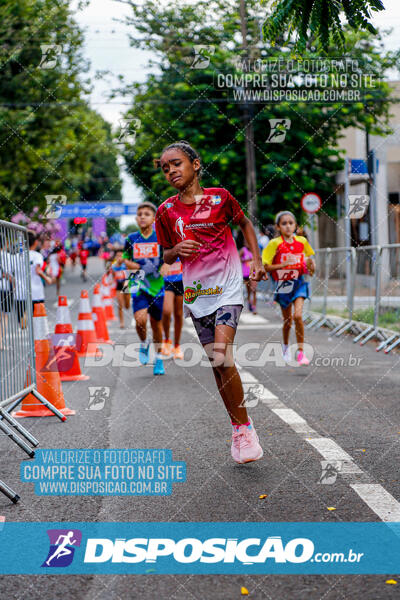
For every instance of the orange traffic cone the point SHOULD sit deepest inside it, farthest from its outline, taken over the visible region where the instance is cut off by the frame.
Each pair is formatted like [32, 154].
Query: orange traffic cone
[64, 347]
[99, 317]
[86, 342]
[48, 378]
[107, 300]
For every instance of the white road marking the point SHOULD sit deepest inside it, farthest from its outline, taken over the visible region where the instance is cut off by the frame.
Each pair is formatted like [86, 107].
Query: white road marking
[296, 422]
[249, 319]
[379, 500]
[331, 451]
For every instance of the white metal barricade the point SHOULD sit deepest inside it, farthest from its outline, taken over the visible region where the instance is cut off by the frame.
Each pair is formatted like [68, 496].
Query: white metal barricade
[17, 351]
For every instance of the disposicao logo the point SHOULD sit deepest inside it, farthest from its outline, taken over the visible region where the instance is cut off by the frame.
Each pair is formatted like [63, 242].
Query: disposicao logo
[191, 550]
[62, 547]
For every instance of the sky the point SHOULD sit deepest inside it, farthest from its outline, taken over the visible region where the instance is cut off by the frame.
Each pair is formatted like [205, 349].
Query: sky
[107, 48]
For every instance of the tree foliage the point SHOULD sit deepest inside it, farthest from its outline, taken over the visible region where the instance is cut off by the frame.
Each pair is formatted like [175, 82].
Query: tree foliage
[319, 19]
[180, 102]
[51, 142]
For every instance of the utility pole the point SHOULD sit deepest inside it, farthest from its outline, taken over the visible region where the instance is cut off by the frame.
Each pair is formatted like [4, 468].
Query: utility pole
[248, 113]
[371, 190]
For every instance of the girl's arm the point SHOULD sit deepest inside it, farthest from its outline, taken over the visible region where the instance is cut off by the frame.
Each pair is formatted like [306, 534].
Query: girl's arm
[184, 249]
[170, 256]
[270, 268]
[257, 271]
[132, 265]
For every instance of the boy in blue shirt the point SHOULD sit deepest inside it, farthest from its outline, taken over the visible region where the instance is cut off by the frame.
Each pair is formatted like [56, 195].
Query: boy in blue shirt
[142, 254]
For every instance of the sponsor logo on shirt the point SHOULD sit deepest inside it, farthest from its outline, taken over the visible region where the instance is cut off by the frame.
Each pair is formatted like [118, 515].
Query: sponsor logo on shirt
[299, 259]
[179, 226]
[168, 205]
[191, 293]
[203, 208]
[193, 225]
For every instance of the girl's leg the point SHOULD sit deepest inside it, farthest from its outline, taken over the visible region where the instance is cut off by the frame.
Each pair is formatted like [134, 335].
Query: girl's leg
[167, 312]
[248, 293]
[253, 286]
[220, 386]
[298, 322]
[178, 318]
[141, 323]
[287, 323]
[126, 302]
[157, 329]
[225, 372]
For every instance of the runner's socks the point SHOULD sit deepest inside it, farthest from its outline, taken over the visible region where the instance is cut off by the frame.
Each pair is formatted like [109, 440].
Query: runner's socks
[235, 426]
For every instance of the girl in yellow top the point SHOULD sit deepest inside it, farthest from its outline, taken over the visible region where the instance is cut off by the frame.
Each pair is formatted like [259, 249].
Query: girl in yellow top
[288, 258]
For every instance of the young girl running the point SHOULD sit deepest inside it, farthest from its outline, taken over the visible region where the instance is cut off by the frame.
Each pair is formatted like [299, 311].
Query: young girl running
[194, 226]
[288, 257]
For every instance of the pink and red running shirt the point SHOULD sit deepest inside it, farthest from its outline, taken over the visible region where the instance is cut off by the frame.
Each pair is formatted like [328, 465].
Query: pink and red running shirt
[213, 276]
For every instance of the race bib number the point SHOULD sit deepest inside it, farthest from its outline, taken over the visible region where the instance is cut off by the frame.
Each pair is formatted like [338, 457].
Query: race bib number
[296, 263]
[146, 250]
[176, 268]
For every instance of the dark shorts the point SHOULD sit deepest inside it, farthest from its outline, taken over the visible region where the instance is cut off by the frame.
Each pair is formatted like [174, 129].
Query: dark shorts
[296, 288]
[154, 304]
[120, 285]
[174, 286]
[20, 308]
[6, 301]
[224, 315]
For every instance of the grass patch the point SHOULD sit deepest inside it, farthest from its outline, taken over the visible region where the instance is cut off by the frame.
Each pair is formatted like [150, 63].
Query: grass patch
[388, 317]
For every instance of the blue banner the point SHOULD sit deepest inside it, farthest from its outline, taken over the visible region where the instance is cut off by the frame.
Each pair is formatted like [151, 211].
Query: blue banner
[97, 209]
[359, 166]
[200, 548]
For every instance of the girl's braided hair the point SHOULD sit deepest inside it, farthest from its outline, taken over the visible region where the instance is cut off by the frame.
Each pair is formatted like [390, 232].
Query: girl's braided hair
[185, 147]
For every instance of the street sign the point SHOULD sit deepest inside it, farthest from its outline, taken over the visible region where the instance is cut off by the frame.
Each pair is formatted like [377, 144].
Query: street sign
[359, 166]
[311, 203]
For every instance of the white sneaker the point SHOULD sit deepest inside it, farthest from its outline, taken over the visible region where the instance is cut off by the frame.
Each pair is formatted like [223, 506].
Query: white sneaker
[287, 357]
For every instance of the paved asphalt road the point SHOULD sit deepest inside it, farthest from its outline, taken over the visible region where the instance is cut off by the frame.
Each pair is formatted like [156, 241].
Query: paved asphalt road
[345, 408]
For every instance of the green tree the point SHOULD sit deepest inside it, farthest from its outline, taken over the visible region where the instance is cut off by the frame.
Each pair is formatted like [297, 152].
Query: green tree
[180, 102]
[104, 182]
[50, 139]
[311, 19]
